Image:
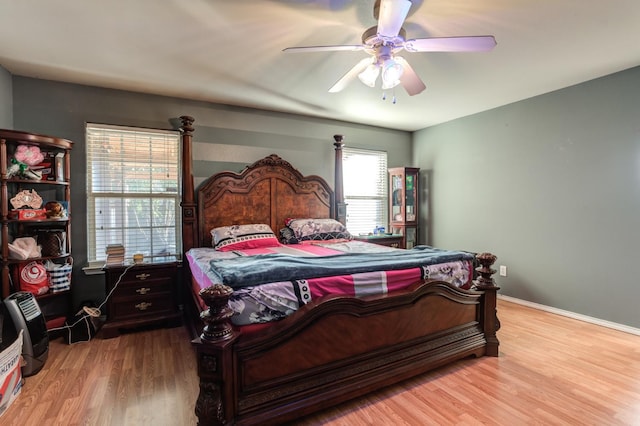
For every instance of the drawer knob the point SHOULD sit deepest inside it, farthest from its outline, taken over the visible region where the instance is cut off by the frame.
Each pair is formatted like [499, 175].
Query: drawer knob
[143, 290]
[143, 306]
[143, 276]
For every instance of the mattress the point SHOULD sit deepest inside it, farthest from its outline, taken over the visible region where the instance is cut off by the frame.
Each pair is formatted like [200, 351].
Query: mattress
[272, 301]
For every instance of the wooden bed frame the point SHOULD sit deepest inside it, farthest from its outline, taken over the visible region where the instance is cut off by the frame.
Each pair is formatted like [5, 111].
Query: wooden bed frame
[333, 349]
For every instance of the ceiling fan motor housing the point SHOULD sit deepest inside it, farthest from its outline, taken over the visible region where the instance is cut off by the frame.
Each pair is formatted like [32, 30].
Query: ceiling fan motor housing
[371, 37]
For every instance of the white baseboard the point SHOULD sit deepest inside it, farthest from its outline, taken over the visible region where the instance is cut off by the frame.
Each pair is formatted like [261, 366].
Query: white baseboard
[579, 317]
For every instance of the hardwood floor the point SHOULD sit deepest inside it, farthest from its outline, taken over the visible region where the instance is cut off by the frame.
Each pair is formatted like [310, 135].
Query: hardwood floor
[552, 370]
[143, 378]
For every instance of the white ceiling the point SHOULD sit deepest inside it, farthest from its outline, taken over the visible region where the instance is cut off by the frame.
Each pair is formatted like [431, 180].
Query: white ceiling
[230, 51]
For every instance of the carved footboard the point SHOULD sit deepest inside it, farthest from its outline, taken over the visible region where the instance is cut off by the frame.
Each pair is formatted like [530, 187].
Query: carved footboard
[338, 348]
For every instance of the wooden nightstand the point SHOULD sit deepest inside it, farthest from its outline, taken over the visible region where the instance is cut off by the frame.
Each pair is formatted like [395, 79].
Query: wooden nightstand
[145, 295]
[383, 239]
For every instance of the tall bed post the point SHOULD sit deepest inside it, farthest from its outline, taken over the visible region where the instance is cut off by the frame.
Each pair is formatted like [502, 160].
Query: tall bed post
[189, 219]
[341, 208]
[213, 348]
[486, 284]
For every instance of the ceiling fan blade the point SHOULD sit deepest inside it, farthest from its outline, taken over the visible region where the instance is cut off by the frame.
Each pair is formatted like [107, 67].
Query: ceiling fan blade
[451, 44]
[350, 75]
[337, 48]
[392, 16]
[409, 79]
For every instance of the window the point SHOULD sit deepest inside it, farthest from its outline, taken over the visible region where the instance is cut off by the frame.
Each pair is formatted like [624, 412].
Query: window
[365, 189]
[133, 192]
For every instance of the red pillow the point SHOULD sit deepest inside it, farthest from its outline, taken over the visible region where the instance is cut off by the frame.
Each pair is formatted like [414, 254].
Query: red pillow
[239, 237]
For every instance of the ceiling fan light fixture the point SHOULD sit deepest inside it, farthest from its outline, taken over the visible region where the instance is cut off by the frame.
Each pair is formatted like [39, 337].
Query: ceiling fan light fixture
[385, 40]
[370, 75]
[391, 73]
[391, 85]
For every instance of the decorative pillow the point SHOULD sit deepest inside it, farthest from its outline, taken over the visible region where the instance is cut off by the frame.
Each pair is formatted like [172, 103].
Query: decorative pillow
[287, 237]
[328, 236]
[318, 229]
[238, 237]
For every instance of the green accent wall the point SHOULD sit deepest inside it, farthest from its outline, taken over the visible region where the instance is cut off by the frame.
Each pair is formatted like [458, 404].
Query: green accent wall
[551, 185]
[6, 99]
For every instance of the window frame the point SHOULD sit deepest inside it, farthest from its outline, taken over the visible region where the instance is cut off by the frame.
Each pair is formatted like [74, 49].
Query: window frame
[381, 193]
[170, 139]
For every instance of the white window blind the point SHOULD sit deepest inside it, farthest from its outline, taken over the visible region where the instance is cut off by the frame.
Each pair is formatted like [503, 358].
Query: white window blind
[365, 189]
[133, 192]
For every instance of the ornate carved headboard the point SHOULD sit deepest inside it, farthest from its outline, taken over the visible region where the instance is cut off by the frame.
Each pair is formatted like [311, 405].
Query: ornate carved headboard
[268, 191]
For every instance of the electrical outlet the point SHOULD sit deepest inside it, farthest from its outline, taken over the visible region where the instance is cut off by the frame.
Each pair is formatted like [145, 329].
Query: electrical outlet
[503, 271]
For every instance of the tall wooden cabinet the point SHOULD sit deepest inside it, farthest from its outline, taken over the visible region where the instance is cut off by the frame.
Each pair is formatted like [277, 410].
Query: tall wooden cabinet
[35, 201]
[403, 204]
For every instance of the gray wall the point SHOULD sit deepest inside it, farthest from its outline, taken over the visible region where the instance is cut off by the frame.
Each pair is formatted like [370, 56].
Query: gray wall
[6, 99]
[225, 138]
[551, 185]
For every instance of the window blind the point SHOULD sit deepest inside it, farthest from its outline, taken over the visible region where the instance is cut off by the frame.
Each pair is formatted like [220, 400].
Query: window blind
[365, 189]
[133, 191]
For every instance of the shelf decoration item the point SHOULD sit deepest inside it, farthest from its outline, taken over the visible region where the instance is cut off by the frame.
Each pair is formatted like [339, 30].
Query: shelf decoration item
[59, 167]
[24, 248]
[25, 162]
[53, 242]
[27, 198]
[55, 209]
[33, 277]
[30, 199]
[29, 155]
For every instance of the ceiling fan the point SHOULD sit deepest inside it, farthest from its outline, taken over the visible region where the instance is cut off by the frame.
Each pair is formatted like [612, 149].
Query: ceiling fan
[384, 41]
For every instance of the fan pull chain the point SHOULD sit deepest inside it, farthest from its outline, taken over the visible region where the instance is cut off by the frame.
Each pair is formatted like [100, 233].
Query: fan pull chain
[393, 98]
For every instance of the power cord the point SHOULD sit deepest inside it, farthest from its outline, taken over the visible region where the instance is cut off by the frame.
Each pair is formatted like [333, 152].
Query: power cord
[91, 312]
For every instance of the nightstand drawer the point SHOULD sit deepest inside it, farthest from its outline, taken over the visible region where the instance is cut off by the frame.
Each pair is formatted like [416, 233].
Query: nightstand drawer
[142, 274]
[139, 306]
[144, 288]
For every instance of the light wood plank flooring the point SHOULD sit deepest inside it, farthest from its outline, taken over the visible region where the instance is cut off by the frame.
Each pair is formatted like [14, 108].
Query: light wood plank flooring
[551, 371]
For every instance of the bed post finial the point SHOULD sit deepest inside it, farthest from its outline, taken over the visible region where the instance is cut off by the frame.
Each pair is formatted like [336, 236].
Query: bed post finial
[187, 122]
[485, 282]
[217, 316]
[340, 208]
[486, 260]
